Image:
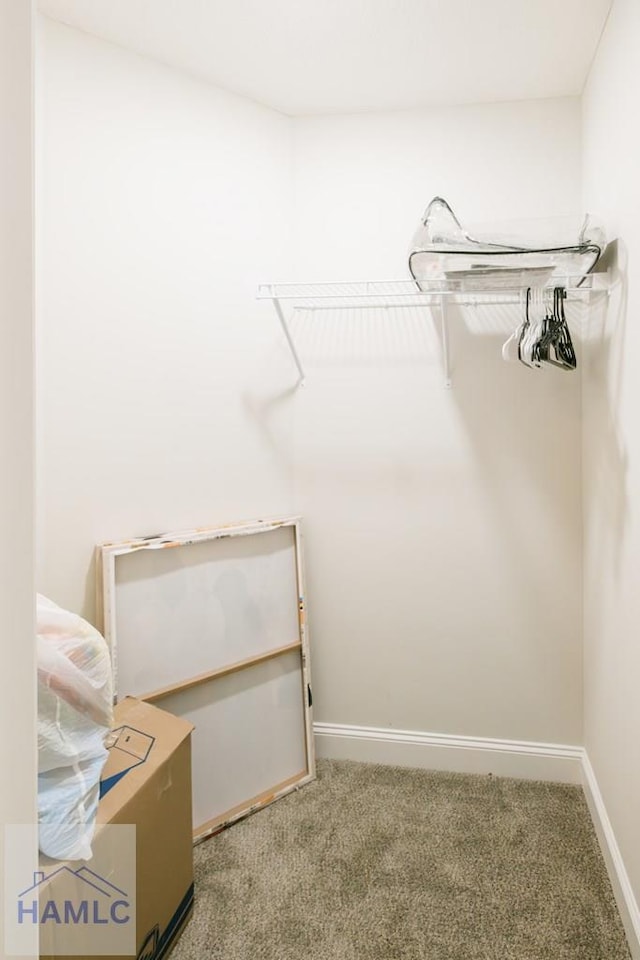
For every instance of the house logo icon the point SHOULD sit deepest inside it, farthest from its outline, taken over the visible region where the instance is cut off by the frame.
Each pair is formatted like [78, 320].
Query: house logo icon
[69, 897]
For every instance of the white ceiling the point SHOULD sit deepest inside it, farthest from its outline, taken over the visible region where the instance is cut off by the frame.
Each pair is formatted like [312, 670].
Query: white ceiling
[344, 56]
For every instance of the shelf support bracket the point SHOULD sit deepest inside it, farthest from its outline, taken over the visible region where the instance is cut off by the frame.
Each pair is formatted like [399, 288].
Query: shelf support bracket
[444, 327]
[285, 328]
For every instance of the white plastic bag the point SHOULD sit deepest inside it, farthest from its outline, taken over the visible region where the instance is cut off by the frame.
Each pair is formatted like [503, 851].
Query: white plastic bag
[74, 718]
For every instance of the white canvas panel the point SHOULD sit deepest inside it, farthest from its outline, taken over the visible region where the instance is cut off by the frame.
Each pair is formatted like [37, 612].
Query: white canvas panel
[249, 734]
[185, 610]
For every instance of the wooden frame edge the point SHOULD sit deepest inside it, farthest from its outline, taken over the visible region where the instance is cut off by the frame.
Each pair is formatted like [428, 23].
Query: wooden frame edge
[307, 693]
[210, 827]
[182, 538]
[219, 672]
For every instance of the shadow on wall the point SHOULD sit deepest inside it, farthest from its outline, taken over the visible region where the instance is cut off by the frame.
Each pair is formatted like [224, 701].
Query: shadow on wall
[605, 455]
[344, 351]
[541, 444]
[267, 412]
[524, 429]
[90, 605]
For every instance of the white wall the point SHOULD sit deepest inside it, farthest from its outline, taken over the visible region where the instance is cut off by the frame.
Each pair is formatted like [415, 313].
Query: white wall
[17, 676]
[611, 439]
[162, 382]
[443, 527]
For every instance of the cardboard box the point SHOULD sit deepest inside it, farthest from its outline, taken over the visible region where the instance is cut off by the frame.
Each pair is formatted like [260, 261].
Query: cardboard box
[146, 782]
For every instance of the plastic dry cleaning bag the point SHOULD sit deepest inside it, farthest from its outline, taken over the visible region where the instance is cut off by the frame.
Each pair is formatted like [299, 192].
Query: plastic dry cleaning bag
[74, 719]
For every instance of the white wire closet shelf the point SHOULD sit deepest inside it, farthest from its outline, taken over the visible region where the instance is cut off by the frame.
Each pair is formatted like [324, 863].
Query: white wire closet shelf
[464, 287]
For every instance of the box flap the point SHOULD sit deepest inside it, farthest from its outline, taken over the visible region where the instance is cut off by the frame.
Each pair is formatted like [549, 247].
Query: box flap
[143, 739]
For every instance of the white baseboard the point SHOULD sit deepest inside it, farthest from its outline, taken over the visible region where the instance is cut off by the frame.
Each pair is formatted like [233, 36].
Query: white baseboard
[524, 760]
[622, 890]
[435, 751]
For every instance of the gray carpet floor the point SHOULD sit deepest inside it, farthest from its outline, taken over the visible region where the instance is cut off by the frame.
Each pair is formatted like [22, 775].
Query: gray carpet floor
[385, 863]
